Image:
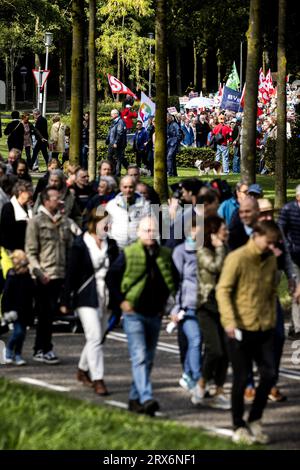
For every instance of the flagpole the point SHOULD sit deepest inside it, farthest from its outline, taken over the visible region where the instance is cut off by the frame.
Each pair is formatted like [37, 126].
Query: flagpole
[241, 65]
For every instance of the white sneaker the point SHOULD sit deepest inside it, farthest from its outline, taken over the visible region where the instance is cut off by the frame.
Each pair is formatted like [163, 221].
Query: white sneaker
[221, 402]
[256, 430]
[186, 382]
[9, 360]
[242, 436]
[197, 394]
[19, 361]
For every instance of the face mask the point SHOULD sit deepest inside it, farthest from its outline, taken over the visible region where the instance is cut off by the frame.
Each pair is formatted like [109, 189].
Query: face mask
[190, 243]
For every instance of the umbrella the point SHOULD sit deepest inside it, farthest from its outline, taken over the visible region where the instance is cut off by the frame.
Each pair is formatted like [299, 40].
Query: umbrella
[112, 322]
[200, 102]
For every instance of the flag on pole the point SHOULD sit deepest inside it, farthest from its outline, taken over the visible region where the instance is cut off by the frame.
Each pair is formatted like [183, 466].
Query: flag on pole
[242, 102]
[147, 109]
[118, 87]
[233, 80]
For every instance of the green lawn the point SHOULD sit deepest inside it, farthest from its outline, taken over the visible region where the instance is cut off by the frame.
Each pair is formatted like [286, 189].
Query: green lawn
[33, 419]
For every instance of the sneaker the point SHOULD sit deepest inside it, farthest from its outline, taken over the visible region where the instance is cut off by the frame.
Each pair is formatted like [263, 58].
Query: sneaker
[9, 356]
[9, 360]
[221, 402]
[38, 356]
[197, 395]
[276, 396]
[242, 436]
[50, 358]
[259, 436]
[249, 394]
[19, 361]
[186, 382]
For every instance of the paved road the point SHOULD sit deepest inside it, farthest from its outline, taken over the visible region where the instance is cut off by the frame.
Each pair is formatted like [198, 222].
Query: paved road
[282, 421]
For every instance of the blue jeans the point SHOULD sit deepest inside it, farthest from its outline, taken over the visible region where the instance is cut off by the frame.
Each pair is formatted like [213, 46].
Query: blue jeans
[142, 334]
[172, 151]
[236, 164]
[15, 342]
[191, 328]
[223, 152]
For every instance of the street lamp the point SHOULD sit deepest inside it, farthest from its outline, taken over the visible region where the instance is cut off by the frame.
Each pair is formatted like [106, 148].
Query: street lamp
[48, 39]
[23, 72]
[150, 36]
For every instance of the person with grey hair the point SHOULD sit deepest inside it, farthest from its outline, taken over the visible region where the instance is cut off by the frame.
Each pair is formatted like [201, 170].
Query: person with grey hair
[126, 210]
[107, 190]
[116, 141]
[14, 217]
[41, 134]
[67, 203]
[289, 222]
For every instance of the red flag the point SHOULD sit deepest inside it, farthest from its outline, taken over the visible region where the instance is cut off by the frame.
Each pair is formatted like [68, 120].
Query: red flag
[220, 90]
[242, 102]
[118, 87]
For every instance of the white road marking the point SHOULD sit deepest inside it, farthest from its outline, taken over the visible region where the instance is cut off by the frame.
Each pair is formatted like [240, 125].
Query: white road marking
[41, 383]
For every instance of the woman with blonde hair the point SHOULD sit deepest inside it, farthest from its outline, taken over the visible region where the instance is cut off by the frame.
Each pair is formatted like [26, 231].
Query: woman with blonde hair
[91, 255]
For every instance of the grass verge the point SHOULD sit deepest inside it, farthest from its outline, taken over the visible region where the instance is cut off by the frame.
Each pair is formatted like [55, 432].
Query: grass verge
[33, 419]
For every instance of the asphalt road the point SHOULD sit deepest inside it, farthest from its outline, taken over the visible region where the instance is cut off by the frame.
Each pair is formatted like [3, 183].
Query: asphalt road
[282, 420]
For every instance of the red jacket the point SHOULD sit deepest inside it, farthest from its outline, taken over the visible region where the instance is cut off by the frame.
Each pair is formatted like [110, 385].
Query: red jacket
[225, 131]
[127, 115]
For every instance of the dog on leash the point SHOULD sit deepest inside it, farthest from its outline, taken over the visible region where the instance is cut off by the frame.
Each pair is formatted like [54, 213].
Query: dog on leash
[205, 166]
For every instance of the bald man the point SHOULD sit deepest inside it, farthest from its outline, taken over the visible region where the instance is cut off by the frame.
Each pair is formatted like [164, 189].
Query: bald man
[242, 227]
[140, 282]
[126, 210]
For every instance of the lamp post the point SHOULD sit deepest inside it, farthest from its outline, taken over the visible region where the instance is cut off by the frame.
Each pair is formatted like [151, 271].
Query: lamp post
[150, 36]
[48, 38]
[23, 72]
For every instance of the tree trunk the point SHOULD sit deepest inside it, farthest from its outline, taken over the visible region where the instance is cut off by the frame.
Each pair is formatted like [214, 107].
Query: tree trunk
[178, 71]
[62, 77]
[160, 173]
[12, 87]
[77, 81]
[250, 111]
[280, 164]
[7, 83]
[37, 64]
[85, 73]
[195, 64]
[168, 76]
[204, 71]
[93, 91]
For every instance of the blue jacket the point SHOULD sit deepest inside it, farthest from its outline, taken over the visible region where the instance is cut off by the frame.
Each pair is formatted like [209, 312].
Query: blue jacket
[227, 208]
[188, 135]
[173, 134]
[140, 138]
[186, 265]
[117, 133]
[289, 222]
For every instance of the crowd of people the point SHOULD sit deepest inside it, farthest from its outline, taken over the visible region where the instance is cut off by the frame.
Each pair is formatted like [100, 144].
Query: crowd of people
[212, 256]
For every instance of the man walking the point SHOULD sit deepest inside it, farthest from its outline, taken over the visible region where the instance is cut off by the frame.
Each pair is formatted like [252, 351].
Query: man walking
[140, 282]
[289, 222]
[222, 135]
[48, 240]
[15, 132]
[246, 295]
[41, 134]
[116, 141]
[173, 141]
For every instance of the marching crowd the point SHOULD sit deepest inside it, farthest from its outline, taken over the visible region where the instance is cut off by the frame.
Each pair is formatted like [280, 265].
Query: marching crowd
[212, 257]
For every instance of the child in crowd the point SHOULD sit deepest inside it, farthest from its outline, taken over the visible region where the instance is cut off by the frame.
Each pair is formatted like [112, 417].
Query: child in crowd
[17, 305]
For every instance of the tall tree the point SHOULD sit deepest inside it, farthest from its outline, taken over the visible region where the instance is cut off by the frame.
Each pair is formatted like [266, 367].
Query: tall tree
[250, 110]
[77, 80]
[93, 91]
[281, 144]
[160, 173]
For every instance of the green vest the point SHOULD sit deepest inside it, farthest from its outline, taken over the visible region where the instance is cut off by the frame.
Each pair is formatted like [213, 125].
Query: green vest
[135, 276]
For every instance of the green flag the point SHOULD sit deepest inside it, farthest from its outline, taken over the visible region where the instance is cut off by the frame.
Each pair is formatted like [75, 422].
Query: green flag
[233, 81]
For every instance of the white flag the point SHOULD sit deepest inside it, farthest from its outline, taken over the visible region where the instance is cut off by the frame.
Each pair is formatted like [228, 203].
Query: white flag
[147, 109]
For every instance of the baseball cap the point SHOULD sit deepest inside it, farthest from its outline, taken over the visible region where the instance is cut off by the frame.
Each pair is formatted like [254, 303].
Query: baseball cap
[255, 189]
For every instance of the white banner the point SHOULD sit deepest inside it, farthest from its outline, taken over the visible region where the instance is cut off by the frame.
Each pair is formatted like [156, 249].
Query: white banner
[147, 109]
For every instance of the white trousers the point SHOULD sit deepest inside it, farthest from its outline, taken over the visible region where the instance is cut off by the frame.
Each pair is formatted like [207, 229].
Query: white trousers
[94, 322]
[295, 306]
